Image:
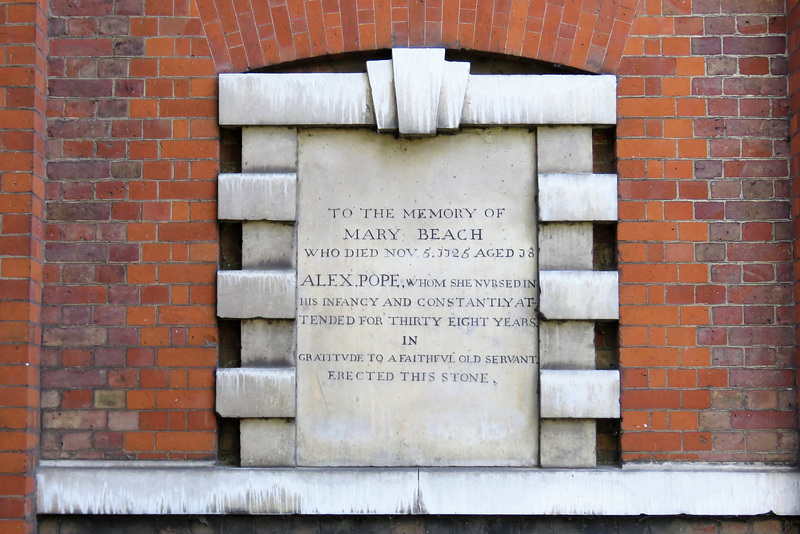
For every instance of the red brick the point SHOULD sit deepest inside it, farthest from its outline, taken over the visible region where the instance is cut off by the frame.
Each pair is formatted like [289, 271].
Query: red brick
[763, 419]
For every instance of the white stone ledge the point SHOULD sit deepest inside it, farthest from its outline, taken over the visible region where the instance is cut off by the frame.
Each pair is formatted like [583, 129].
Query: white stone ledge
[579, 394]
[251, 294]
[257, 196]
[251, 392]
[345, 99]
[295, 99]
[496, 491]
[540, 99]
[582, 295]
[577, 197]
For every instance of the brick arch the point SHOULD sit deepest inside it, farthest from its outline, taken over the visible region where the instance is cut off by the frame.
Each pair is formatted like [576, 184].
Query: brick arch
[585, 34]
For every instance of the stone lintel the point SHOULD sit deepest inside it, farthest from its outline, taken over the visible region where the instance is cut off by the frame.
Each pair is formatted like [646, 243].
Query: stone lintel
[346, 99]
[540, 99]
[295, 99]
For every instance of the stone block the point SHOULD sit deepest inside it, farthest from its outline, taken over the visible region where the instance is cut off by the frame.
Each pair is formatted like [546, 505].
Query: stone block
[582, 295]
[577, 197]
[323, 99]
[454, 89]
[664, 488]
[345, 98]
[449, 101]
[579, 394]
[268, 245]
[418, 76]
[266, 149]
[381, 84]
[541, 99]
[564, 149]
[249, 294]
[568, 443]
[249, 392]
[566, 345]
[356, 410]
[566, 246]
[257, 196]
[267, 442]
[268, 343]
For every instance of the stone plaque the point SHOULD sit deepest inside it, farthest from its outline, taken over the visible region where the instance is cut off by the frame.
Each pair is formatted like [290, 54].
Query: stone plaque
[417, 299]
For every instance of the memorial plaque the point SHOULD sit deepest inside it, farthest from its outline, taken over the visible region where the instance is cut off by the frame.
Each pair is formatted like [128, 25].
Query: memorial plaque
[417, 299]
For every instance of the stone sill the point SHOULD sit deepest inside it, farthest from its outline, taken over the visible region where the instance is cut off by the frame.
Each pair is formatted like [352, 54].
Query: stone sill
[203, 489]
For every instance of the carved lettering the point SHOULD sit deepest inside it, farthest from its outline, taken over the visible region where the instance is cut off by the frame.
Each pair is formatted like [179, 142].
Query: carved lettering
[417, 300]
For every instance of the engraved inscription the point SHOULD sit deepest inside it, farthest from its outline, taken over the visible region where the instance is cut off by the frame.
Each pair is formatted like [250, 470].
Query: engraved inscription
[417, 299]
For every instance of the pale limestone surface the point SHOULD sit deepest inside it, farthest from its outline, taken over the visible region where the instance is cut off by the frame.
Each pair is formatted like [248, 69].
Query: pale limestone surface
[577, 197]
[395, 413]
[337, 99]
[268, 245]
[249, 294]
[269, 149]
[257, 196]
[381, 84]
[295, 99]
[654, 489]
[268, 343]
[417, 85]
[346, 100]
[541, 99]
[250, 392]
[579, 295]
[579, 394]
[566, 344]
[565, 246]
[568, 443]
[454, 88]
[450, 100]
[267, 442]
[564, 149]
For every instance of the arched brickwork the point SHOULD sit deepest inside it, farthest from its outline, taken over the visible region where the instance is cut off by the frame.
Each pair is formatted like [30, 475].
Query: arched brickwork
[585, 34]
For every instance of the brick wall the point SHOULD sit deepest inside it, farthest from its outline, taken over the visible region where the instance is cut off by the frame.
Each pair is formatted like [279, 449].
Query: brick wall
[793, 49]
[433, 525]
[23, 48]
[119, 244]
[129, 329]
[705, 234]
